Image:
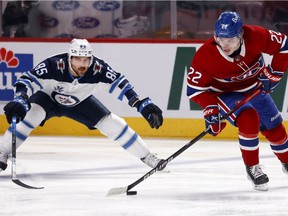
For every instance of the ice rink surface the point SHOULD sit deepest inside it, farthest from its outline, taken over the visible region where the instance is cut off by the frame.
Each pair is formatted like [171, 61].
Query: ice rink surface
[208, 179]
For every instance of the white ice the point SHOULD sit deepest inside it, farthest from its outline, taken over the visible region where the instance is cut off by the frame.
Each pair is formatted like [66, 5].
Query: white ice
[207, 179]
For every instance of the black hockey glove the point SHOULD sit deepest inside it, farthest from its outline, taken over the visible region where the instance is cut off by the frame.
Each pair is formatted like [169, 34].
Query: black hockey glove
[17, 107]
[270, 79]
[151, 112]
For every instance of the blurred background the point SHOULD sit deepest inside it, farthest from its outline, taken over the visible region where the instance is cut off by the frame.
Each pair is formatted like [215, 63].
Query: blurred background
[132, 19]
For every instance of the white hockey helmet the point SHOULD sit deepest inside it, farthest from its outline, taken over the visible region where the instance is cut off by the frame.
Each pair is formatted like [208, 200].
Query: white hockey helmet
[81, 48]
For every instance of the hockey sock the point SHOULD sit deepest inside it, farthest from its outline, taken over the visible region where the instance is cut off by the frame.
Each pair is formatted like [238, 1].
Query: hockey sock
[24, 128]
[117, 129]
[278, 142]
[248, 124]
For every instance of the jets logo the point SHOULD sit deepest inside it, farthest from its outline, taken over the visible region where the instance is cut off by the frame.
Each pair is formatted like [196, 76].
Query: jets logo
[65, 100]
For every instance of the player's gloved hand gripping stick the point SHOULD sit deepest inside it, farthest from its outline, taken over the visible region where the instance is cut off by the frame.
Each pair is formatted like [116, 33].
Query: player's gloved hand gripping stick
[122, 190]
[17, 108]
[270, 79]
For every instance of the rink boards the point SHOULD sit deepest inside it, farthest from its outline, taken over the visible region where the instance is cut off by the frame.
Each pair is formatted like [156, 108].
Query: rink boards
[156, 68]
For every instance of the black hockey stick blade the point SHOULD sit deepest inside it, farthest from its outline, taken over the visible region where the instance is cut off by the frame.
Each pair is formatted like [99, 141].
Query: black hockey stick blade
[18, 182]
[13, 169]
[122, 190]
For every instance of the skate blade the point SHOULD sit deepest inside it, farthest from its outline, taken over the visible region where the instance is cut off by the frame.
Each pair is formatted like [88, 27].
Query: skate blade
[262, 187]
[165, 170]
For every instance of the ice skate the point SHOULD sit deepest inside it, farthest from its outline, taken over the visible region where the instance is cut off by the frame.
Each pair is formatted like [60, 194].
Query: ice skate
[285, 168]
[257, 177]
[152, 161]
[3, 161]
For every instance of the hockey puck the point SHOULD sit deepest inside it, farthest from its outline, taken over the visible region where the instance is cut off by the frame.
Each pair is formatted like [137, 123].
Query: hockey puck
[131, 192]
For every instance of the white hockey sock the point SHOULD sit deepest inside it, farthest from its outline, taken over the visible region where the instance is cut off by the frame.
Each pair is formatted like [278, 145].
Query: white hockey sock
[23, 129]
[117, 129]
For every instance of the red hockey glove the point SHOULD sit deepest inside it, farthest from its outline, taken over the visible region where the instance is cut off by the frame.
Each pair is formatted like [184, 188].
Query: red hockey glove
[212, 119]
[270, 79]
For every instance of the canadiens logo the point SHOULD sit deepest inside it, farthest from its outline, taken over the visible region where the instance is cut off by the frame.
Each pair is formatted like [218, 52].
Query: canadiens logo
[9, 58]
[252, 71]
[248, 71]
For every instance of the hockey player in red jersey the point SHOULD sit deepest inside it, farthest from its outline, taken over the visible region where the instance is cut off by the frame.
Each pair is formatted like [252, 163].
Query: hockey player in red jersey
[230, 66]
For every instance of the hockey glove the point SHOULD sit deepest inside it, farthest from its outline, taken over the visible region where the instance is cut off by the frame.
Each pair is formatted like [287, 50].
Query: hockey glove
[17, 107]
[151, 112]
[212, 120]
[270, 79]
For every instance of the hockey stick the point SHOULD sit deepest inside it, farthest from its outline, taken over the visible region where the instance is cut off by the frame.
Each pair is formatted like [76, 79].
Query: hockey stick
[122, 190]
[13, 170]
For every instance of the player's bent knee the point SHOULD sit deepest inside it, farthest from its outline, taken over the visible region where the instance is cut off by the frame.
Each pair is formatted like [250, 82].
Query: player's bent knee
[32, 119]
[248, 121]
[276, 135]
[111, 125]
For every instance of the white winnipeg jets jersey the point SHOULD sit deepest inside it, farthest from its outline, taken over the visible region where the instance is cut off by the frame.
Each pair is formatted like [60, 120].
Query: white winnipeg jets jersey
[52, 76]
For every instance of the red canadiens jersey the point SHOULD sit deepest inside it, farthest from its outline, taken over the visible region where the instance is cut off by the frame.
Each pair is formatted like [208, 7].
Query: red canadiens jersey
[212, 72]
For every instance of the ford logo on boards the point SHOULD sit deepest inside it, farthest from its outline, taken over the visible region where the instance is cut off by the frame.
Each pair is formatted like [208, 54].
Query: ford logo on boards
[86, 22]
[49, 22]
[106, 5]
[65, 5]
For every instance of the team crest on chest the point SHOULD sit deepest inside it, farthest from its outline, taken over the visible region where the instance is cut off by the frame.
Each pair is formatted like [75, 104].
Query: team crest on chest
[65, 100]
[247, 70]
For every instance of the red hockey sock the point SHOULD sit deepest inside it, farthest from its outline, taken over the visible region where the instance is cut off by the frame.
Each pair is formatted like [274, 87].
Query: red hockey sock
[248, 124]
[278, 142]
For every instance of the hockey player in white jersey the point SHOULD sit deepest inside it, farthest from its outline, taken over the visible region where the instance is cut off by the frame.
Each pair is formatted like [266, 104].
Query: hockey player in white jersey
[63, 85]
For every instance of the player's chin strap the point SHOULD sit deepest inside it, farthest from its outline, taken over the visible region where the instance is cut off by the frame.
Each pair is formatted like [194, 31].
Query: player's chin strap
[122, 190]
